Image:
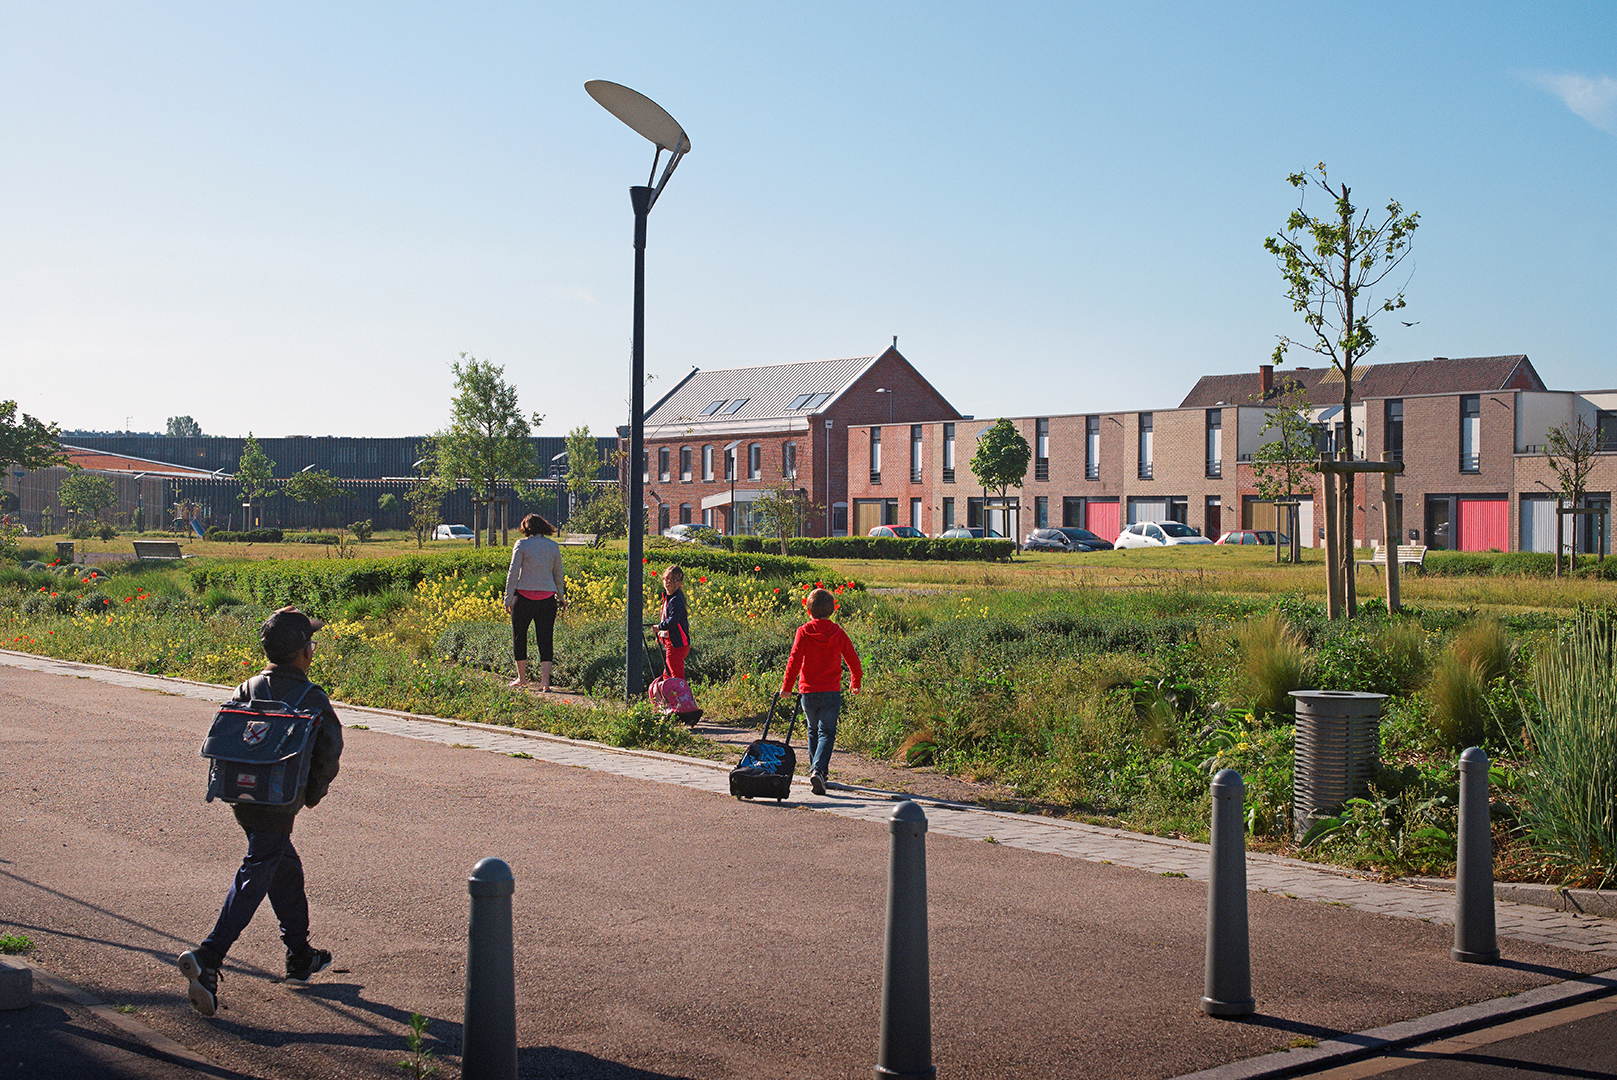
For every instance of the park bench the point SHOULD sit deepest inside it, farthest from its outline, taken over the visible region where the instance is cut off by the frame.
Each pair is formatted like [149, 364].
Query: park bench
[580, 540]
[159, 549]
[1408, 555]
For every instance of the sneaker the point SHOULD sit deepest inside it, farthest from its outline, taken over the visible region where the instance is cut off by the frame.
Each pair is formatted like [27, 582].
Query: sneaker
[299, 968]
[204, 988]
[817, 783]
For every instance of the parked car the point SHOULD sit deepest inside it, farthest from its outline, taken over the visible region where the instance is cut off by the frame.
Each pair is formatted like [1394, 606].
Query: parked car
[898, 532]
[1065, 539]
[1158, 534]
[963, 533]
[452, 532]
[1252, 536]
[695, 533]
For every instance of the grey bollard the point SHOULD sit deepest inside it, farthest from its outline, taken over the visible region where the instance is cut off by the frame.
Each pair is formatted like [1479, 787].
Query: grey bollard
[1227, 984]
[1474, 938]
[16, 984]
[489, 1033]
[905, 1044]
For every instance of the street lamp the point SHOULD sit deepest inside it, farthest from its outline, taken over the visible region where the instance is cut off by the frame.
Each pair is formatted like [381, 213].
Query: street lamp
[889, 393]
[828, 425]
[140, 503]
[649, 120]
[734, 467]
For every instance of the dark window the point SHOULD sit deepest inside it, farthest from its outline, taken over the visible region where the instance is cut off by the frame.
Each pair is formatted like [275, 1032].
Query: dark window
[662, 464]
[799, 402]
[816, 401]
[662, 518]
[948, 512]
[1470, 433]
[1146, 446]
[684, 513]
[755, 462]
[1215, 443]
[1091, 448]
[974, 512]
[915, 453]
[948, 453]
[1041, 449]
[685, 463]
[788, 460]
[1606, 430]
[875, 455]
[1041, 511]
[1392, 433]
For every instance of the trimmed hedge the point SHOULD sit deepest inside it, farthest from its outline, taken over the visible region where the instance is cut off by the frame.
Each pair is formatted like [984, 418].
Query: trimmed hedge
[321, 583]
[1513, 564]
[251, 536]
[883, 547]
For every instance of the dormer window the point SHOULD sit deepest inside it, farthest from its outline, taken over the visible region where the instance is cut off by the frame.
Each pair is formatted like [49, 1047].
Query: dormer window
[713, 408]
[735, 406]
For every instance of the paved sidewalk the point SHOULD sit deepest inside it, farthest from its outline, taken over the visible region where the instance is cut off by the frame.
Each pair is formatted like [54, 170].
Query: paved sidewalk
[1292, 878]
[666, 930]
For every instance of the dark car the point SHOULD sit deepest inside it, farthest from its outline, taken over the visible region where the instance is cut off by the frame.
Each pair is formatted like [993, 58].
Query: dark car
[1252, 536]
[898, 532]
[1065, 539]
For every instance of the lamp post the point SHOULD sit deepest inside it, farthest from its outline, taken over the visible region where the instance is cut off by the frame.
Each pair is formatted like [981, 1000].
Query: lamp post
[140, 503]
[649, 120]
[732, 465]
[828, 511]
[889, 393]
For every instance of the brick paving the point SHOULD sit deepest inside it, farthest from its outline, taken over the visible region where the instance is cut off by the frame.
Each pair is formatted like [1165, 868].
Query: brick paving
[1266, 873]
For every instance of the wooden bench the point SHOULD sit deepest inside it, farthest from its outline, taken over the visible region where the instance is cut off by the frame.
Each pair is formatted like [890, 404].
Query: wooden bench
[1408, 555]
[579, 540]
[159, 549]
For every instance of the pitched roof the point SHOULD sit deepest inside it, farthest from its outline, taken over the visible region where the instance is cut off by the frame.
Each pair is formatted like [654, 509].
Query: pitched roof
[109, 461]
[764, 392]
[1442, 375]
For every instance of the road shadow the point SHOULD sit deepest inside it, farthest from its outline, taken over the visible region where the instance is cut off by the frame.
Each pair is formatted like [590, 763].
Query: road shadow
[53, 1038]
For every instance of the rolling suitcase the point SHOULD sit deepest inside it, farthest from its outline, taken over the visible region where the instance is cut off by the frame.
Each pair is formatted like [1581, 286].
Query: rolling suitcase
[670, 694]
[765, 770]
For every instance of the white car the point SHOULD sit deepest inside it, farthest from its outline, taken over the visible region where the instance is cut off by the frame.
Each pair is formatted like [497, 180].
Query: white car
[1144, 534]
[452, 532]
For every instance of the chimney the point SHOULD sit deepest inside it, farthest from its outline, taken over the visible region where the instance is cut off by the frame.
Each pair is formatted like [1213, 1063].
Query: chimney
[1266, 379]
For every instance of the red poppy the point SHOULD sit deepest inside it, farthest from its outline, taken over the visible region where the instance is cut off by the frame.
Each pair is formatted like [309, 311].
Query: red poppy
[805, 586]
[819, 585]
[757, 568]
[703, 580]
[777, 592]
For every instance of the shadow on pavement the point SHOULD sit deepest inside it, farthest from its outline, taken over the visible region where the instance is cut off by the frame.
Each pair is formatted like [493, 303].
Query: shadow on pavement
[554, 1062]
[52, 1038]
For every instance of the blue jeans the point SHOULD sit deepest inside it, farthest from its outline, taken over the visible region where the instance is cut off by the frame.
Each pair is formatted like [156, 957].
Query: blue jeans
[272, 868]
[820, 711]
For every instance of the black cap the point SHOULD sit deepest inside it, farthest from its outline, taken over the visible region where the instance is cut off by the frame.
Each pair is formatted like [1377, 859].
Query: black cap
[286, 632]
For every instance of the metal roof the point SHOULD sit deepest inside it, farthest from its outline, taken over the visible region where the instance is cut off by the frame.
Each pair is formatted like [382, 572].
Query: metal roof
[764, 391]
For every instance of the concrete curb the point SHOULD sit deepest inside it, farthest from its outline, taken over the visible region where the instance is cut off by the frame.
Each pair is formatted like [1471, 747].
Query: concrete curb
[162, 1047]
[1601, 903]
[1340, 1051]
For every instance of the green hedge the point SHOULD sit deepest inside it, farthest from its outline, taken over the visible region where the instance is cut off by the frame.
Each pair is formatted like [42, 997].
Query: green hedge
[321, 583]
[251, 536]
[1513, 564]
[883, 547]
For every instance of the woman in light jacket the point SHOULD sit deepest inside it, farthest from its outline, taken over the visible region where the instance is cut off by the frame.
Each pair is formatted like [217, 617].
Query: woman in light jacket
[534, 591]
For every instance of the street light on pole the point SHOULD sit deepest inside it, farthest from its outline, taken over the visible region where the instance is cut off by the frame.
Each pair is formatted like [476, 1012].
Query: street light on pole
[889, 393]
[732, 467]
[649, 120]
[828, 425]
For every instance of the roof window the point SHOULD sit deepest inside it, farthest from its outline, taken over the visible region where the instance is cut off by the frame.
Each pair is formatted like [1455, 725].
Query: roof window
[735, 406]
[798, 402]
[713, 408]
[817, 400]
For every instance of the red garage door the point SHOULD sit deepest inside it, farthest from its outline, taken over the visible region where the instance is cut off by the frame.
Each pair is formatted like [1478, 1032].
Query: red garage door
[1484, 524]
[1101, 518]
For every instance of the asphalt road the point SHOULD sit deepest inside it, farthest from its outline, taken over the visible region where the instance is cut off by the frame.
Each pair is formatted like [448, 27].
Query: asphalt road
[660, 932]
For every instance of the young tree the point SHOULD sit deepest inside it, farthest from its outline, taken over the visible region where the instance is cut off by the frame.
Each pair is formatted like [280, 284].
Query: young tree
[316, 487]
[425, 499]
[583, 461]
[1571, 453]
[183, 427]
[30, 443]
[1001, 460]
[781, 511]
[84, 495]
[1332, 263]
[1284, 465]
[488, 440]
[254, 471]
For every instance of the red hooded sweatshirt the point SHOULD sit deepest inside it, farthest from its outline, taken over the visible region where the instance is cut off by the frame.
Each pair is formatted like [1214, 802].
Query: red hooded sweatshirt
[818, 652]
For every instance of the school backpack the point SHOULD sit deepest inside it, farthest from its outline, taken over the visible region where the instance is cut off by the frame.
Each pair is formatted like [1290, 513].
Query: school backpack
[671, 694]
[259, 750]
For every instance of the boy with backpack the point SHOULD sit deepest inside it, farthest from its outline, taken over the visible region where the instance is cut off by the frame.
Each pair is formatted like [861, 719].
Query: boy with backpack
[818, 653]
[272, 867]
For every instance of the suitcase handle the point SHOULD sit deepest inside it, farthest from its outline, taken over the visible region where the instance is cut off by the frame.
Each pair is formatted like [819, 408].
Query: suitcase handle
[770, 719]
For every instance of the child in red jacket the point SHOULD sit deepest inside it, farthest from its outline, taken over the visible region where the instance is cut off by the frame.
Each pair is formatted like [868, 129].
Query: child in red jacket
[818, 653]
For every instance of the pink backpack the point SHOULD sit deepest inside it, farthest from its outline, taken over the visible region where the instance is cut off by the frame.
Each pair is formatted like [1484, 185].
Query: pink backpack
[673, 695]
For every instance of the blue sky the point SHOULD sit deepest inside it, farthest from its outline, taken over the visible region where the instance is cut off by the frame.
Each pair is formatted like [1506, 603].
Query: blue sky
[291, 218]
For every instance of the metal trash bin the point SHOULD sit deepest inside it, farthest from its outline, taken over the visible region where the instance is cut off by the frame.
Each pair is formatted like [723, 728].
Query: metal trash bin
[64, 550]
[1337, 752]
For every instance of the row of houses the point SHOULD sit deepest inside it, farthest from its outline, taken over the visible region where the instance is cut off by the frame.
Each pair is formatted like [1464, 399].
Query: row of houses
[869, 441]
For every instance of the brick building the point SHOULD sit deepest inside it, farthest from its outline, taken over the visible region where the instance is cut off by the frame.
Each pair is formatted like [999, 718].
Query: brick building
[720, 439]
[1470, 433]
